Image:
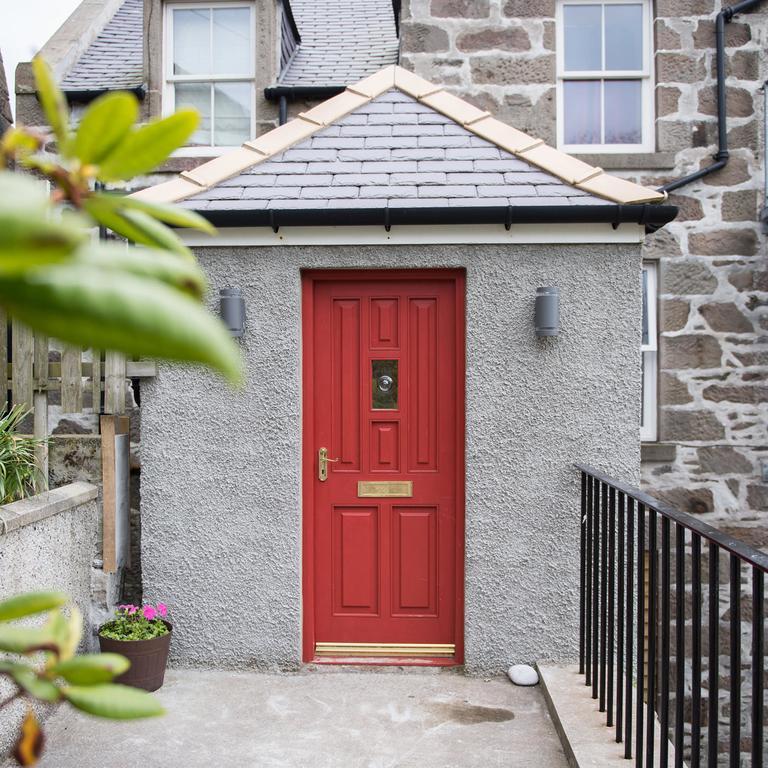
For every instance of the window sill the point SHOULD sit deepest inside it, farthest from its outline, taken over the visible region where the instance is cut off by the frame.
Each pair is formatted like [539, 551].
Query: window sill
[630, 161]
[658, 452]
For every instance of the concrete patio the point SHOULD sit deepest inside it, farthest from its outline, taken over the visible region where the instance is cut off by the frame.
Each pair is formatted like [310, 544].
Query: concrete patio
[319, 719]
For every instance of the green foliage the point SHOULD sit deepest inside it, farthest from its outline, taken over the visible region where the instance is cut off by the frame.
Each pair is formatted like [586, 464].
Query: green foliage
[93, 668]
[41, 662]
[146, 301]
[19, 470]
[134, 627]
[28, 604]
[116, 702]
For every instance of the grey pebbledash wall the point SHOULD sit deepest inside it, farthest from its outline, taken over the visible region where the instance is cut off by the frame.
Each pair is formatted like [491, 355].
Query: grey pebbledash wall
[221, 473]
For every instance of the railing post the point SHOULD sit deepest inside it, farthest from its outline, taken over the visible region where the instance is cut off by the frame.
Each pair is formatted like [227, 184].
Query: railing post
[621, 620]
[714, 655]
[665, 619]
[603, 593]
[582, 569]
[695, 650]
[735, 715]
[588, 589]
[595, 584]
[640, 677]
[758, 663]
[629, 641]
[611, 597]
[679, 642]
[650, 723]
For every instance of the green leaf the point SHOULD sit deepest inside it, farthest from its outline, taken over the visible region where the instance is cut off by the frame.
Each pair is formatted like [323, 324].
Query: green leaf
[53, 103]
[116, 702]
[144, 149]
[90, 669]
[26, 678]
[135, 225]
[29, 236]
[107, 309]
[171, 214]
[25, 639]
[72, 634]
[31, 603]
[158, 265]
[105, 123]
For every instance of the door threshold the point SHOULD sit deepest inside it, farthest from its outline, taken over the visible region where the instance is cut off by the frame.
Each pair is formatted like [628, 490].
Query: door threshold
[424, 654]
[386, 661]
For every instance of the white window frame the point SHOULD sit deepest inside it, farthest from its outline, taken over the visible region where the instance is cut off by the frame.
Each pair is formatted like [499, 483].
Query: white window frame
[170, 79]
[650, 357]
[646, 77]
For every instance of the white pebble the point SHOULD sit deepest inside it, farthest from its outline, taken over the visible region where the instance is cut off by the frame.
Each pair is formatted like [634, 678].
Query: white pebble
[522, 674]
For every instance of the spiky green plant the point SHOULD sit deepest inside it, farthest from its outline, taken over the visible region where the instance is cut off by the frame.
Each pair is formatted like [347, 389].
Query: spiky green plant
[20, 473]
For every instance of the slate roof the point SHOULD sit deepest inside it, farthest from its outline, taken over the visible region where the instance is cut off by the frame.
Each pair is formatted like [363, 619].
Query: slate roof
[342, 41]
[370, 146]
[114, 60]
[391, 152]
[5, 100]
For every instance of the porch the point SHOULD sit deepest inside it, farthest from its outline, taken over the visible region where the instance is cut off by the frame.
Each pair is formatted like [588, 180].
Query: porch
[323, 719]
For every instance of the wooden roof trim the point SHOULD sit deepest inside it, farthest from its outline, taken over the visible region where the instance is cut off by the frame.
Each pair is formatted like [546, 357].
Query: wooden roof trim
[480, 122]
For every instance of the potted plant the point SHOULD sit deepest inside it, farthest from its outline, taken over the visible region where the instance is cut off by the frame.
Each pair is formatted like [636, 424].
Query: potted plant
[143, 636]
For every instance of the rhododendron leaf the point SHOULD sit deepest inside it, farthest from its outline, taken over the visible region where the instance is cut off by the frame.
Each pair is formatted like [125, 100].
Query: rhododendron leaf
[54, 105]
[116, 702]
[103, 126]
[26, 678]
[30, 603]
[29, 747]
[93, 668]
[26, 640]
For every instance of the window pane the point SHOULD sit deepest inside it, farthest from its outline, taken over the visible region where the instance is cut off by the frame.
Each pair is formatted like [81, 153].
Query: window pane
[383, 384]
[623, 37]
[623, 112]
[583, 37]
[232, 41]
[645, 307]
[581, 107]
[197, 95]
[232, 110]
[191, 42]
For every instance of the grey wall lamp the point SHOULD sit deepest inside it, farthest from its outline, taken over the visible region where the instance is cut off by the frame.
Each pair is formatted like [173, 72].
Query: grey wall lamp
[232, 308]
[547, 311]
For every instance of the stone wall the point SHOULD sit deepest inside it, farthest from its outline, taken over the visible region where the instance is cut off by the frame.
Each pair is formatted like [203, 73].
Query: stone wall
[713, 356]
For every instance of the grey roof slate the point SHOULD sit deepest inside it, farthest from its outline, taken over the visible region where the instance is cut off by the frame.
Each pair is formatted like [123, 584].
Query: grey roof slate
[342, 41]
[114, 60]
[5, 100]
[332, 169]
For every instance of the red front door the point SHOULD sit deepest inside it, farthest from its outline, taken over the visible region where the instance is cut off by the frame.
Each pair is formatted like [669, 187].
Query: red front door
[383, 550]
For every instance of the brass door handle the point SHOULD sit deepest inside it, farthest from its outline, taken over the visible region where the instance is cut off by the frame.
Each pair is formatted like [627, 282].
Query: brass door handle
[322, 464]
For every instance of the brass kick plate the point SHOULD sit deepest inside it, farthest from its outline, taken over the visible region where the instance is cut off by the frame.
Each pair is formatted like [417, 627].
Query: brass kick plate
[385, 649]
[368, 489]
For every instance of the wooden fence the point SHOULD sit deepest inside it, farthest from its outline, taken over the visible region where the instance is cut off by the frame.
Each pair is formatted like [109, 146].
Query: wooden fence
[27, 373]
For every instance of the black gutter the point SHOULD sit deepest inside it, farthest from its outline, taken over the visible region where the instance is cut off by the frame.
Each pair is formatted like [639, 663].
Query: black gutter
[721, 156]
[652, 216]
[85, 96]
[396, 8]
[302, 92]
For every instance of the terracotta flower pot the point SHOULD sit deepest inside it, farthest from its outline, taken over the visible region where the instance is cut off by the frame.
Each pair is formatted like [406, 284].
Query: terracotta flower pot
[148, 659]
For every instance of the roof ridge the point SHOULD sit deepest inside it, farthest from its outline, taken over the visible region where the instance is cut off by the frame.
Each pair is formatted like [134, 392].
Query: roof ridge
[570, 169]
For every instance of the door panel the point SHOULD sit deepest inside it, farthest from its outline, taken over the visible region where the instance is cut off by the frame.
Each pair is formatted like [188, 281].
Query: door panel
[384, 396]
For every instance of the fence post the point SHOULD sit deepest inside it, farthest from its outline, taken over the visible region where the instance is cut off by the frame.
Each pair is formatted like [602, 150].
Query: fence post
[22, 341]
[71, 379]
[40, 403]
[114, 382]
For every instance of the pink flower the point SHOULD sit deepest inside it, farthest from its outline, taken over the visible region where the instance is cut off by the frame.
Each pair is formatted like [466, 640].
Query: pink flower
[149, 613]
[132, 609]
[162, 609]
[127, 608]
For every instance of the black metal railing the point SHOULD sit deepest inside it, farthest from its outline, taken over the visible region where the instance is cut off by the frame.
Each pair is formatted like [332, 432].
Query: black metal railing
[633, 603]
